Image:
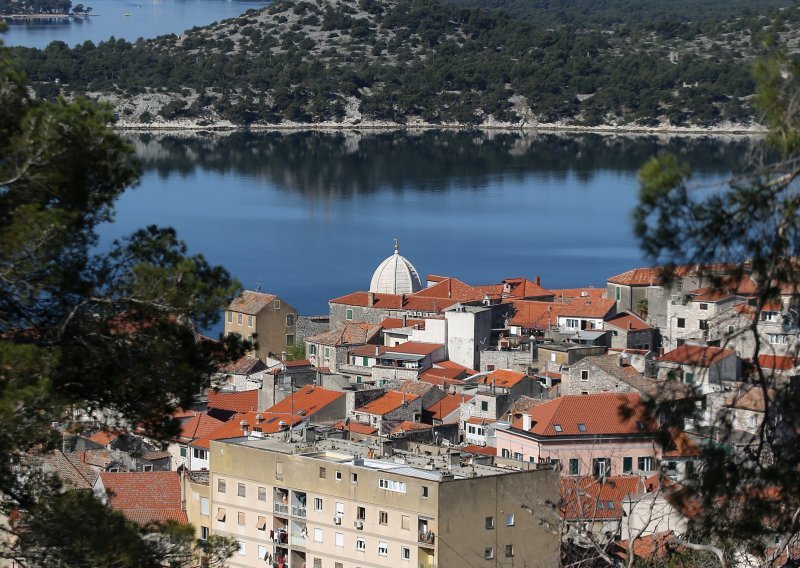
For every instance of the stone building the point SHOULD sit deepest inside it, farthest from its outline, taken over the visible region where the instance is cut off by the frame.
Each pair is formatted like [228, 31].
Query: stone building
[265, 317]
[629, 331]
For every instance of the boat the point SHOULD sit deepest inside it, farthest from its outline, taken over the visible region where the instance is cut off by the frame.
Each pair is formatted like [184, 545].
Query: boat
[126, 14]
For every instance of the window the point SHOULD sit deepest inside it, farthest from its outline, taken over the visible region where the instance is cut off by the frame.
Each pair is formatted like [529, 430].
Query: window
[241, 519]
[555, 462]
[424, 490]
[703, 306]
[383, 518]
[221, 485]
[317, 503]
[241, 491]
[572, 323]
[681, 322]
[262, 552]
[203, 533]
[405, 522]
[645, 464]
[574, 466]
[617, 293]
[249, 321]
[510, 547]
[354, 478]
[239, 319]
[601, 467]
[262, 493]
[505, 453]
[221, 514]
[318, 563]
[778, 339]
[349, 314]
[183, 451]
[317, 535]
[484, 406]
[688, 378]
[703, 324]
[322, 473]
[278, 470]
[289, 320]
[731, 329]
[488, 553]
[339, 509]
[277, 304]
[242, 548]
[204, 505]
[365, 361]
[584, 375]
[339, 539]
[490, 367]
[405, 553]
[338, 476]
[230, 317]
[312, 349]
[361, 544]
[199, 454]
[327, 352]
[392, 485]
[552, 357]
[510, 520]
[290, 339]
[383, 549]
[581, 427]
[261, 523]
[557, 427]
[752, 421]
[489, 523]
[361, 513]
[627, 465]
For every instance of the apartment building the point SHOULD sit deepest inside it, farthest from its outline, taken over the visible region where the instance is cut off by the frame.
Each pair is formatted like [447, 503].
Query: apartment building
[264, 317]
[340, 504]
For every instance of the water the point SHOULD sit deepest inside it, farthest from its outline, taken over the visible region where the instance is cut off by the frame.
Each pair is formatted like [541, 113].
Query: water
[147, 19]
[310, 215]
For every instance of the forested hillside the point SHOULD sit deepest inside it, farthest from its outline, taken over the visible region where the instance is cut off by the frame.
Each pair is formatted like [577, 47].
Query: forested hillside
[403, 61]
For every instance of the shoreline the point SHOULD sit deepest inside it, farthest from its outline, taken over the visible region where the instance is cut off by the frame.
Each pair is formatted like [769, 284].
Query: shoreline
[224, 127]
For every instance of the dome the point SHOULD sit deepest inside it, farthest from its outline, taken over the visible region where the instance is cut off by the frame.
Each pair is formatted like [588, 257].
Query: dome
[395, 275]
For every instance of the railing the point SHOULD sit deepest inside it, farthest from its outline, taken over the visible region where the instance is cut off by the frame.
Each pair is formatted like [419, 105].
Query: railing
[298, 511]
[298, 540]
[423, 565]
[281, 508]
[426, 537]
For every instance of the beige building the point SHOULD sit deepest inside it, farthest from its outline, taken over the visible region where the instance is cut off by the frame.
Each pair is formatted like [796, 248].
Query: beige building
[270, 319]
[338, 504]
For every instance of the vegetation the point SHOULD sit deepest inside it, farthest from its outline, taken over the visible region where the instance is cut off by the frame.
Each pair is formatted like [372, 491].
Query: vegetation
[86, 332]
[35, 6]
[405, 60]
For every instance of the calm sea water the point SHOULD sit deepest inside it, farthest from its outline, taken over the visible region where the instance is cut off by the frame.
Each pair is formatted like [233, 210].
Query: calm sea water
[310, 215]
[145, 19]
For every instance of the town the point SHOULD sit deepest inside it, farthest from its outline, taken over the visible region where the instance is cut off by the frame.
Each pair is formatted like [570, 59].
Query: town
[435, 422]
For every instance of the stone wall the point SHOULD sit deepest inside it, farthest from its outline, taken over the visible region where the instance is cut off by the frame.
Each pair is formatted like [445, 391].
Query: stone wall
[598, 380]
[308, 326]
[520, 360]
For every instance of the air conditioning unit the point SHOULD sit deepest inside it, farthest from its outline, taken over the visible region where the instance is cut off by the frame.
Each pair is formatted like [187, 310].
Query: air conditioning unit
[359, 525]
[337, 520]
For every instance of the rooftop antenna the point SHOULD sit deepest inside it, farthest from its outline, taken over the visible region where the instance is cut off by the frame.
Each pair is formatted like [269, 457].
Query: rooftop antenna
[258, 286]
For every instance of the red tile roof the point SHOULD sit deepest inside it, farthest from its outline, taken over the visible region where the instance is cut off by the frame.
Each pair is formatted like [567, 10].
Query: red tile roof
[590, 292]
[145, 496]
[535, 315]
[591, 498]
[298, 363]
[681, 445]
[396, 323]
[390, 401]
[484, 450]
[446, 406]
[407, 426]
[251, 302]
[396, 302]
[198, 426]
[627, 320]
[103, 438]
[696, 355]
[270, 423]
[439, 381]
[242, 401]
[451, 288]
[778, 362]
[587, 308]
[709, 295]
[504, 378]
[523, 288]
[73, 472]
[607, 413]
[752, 399]
[307, 401]
[244, 366]
[357, 427]
[409, 347]
[350, 333]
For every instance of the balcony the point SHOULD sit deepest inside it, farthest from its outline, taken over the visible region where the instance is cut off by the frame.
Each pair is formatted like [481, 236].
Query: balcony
[282, 508]
[298, 511]
[427, 537]
[297, 540]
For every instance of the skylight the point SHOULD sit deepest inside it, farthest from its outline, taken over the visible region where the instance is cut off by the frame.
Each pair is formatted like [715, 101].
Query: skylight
[557, 427]
[582, 427]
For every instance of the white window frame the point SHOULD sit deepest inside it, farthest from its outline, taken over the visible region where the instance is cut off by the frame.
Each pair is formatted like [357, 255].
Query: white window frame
[317, 534]
[383, 549]
[361, 544]
[318, 504]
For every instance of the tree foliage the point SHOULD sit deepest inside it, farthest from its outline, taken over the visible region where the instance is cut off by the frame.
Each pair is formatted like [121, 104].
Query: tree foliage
[85, 332]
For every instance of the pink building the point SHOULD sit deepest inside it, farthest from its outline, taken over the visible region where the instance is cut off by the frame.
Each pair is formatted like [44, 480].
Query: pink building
[600, 434]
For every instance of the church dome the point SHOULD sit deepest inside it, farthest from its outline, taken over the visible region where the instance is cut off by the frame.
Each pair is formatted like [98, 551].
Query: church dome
[395, 275]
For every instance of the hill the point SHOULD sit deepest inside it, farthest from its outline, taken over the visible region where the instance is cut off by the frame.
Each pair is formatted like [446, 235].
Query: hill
[409, 61]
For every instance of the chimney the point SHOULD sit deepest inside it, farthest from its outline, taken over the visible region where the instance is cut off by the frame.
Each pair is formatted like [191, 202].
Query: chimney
[243, 424]
[526, 422]
[537, 280]
[377, 350]
[370, 299]
[405, 320]
[630, 326]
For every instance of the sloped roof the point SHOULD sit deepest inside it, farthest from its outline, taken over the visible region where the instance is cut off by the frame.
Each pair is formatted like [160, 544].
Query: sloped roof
[589, 292]
[146, 496]
[653, 388]
[696, 355]
[412, 387]
[73, 473]
[270, 423]
[504, 378]
[627, 320]
[524, 403]
[357, 427]
[251, 302]
[446, 406]
[350, 333]
[752, 399]
[591, 498]
[397, 323]
[638, 277]
[483, 450]
[241, 401]
[521, 287]
[532, 314]
[243, 366]
[307, 401]
[413, 302]
[587, 308]
[778, 362]
[451, 288]
[408, 426]
[390, 401]
[103, 437]
[607, 413]
[681, 445]
[297, 363]
[198, 426]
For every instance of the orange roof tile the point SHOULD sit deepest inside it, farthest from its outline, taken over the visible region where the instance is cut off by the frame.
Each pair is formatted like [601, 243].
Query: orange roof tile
[504, 378]
[778, 362]
[270, 423]
[591, 498]
[243, 366]
[199, 425]
[350, 333]
[532, 314]
[627, 320]
[752, 399]
[451, 288]
[250, 302]
[638, 277]
[681, 445]
[607, 413]
[484, 450]
[145, 496]
[523, 288]
[709, 295]
[396, 323]
[587, 308]
[357, 427]
[440, 381]
[412, 302]
[307, 401]
[390, 401]
[407, 426]
[696, 355]
[298, 363]
[241, 401]
[447, 405]
[571, 293]
[103, 438]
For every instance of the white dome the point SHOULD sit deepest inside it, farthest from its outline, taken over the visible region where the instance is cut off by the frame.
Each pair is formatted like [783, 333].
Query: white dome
[395, 275]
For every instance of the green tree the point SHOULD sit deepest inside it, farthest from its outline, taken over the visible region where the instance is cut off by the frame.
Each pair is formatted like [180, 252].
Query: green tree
[749, 226]
[86, 331]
